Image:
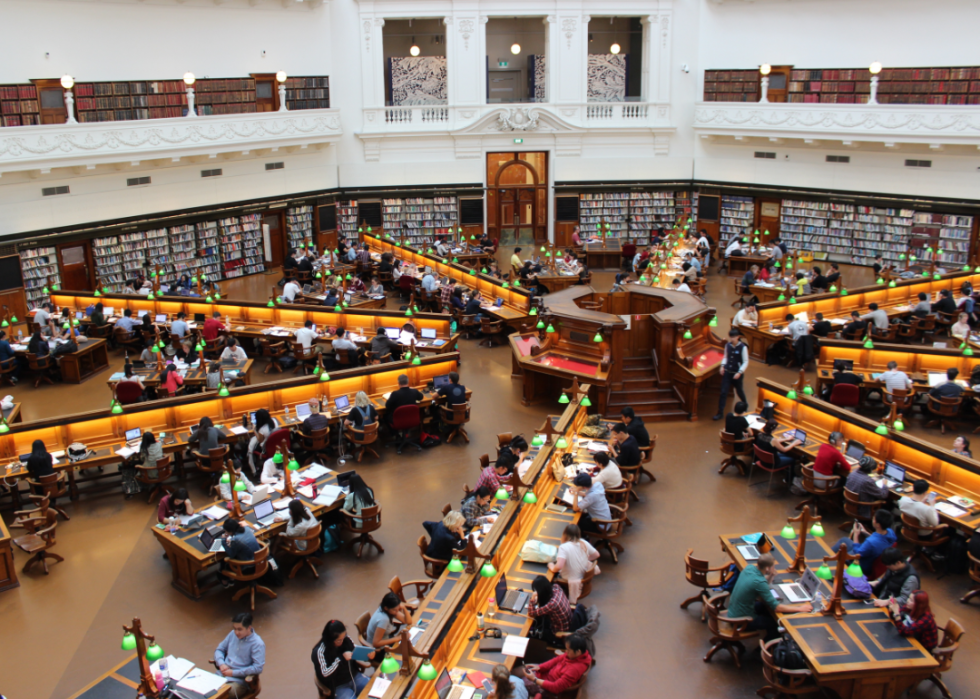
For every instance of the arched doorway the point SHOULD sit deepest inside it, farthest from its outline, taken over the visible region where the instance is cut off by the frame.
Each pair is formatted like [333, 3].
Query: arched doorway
[517, 197]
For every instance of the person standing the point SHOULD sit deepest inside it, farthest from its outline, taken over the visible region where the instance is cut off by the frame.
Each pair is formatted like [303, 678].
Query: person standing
[733, 367]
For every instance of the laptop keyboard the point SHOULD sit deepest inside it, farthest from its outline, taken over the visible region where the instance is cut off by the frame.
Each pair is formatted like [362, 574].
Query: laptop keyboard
[456, 692]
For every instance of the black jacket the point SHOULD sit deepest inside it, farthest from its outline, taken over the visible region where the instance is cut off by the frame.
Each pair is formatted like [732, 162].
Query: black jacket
[822, 328]
[629, 453]
[455, 393]
[638, 431]
[855, 326]
[38, 466]
[332, 668]
[401, 397]
[305, 265]
[472, 307]
[945, 305]
[443, 541]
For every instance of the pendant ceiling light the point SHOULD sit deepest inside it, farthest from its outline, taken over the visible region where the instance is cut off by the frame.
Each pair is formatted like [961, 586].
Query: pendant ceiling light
[415, 50]
[615, 49]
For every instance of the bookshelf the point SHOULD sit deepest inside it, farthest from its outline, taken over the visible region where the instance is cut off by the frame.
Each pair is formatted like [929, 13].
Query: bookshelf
[949, 233]
[686, 204]
[299, 226]
[208, 261]
[241, 245]
[227, 96]
[108, 255]
[347, 219]
[731, 85]
[737, 214]
[609, 207]
[39, 266]
[423, 218]
[18, 105]
[307, 93]
[158, 251]
[183, 251]
[649, 210]
[134, 247]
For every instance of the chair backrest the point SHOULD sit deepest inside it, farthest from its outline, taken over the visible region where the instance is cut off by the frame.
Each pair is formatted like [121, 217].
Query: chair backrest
[853, 505]
[974, 567]
[696, 570]
[901, 396]
[52, 485]
[216, 457]
[845, 395]
[503, 439]
[406, 417]
[713, 609]
[455, 414]
[317, 439]
[911, 527]
[362, 625]
[813, 484]
[764, 458]
[730, 445]
[367, 435]
[945, 406]
[433, 567]
[370, 520]
[310, 536]
[950, 642]
[484, 461]
[786, 682]
[278, 436]
[129, 392]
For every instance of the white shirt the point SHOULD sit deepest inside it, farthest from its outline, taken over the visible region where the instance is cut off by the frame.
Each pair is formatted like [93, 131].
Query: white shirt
[306, 337]
[895, 379]
[732, 247]
[797, 329]
[610, 477]
[270, 472]
[225, 488]
[703, 243]
[299, 530]
[41, 317]
[925, 513]
[684, 287]
[742, 317]
[342, 343]
[236, 352]
[290, 290]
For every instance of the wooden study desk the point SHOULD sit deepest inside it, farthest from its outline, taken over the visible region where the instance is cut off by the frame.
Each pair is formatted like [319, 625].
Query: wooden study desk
[947, 473]
[123, 681]
[91, 357]
[861, 656]
[740, 264]
[8, 569]
[357, 301]
[603, 255]
[194, 376]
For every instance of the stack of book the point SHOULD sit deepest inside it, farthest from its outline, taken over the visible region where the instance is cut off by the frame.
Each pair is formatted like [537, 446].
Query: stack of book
[422, 219]
[18, 105]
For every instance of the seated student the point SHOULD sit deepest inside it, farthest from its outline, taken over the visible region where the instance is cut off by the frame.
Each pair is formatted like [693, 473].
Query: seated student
[818, 282]
[332, 297]
[356, 285]
[677, 285]
[575, 558]
[894, 379]
[961, 446]
[343, 343]
[307, 337]
[606, 473]
[510, 456]
[553, 677]
[381, 345]
[589, 498]
[751, 597]
[241, 654]
[174, 504]
[862, 482]
[834, 275]
[271, 471]
[476, 507]
[445, 536]
[690, 273]
[879, 264]
[363, 412]
[240, 545]
[920, 505]
[949, 388]
[170, 380]
[506, 685]
[299, 520]
[187, 351]
[736, 423]
[390, 616]
[98, 315]
[336, 671]
[179, 326]
[961, 328]
[150, 451]
[830, 461]
[779, 447]
[376, 289]
[315, 421]
[821, 327]
[494, 475]
[748, 279]
[204, 437]
[359, 498]
[635, 427]
[899, 581]
[843, 376]
[876, 315]
[945, 304]
[746, 316]
[224, 489]
[856, 327]
[549, 608]
[403, 395]
[455, 392]
[915, 619]
[619, 283]
[213, 327]
[626, 447]
[795, 327]
[922, 308]
[870, 546]
[128, 375]
[233, 352]
[127, 322]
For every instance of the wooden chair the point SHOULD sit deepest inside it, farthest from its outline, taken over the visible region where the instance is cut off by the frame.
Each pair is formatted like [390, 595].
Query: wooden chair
[253, 683]
[727, 632]
[783, 683]
[362, 625]
[943, 653]
[975, 405]
[853, 507]
[903, 398]
[741, 297]
[944, 321]
[484, 461]
[620, 496]
[404, 422]
[7, 372]
[468, 326]
[586, 584]
[819, 488]
[305, 358]
[42, 504]
[854, 335]
[40, 538]
[370, 522]
[386, 280]
[699, 574]
[608, 539]
[274, 352]
[767, 462]
[733, 448]
[456, 416]
[890, 335]
[236, 571]
[647, 453]
[132, 341]
[433, 567]
[421, 587]
[363, 440]
[214, 462]
[975, 577]
[944, 409]
[307, 556]
[374, 358]
[53, 486]
[214, 348]
[503, 440]
[44, 368]
[164, 469]
[937, 536]
[316, 443]
[491, 330]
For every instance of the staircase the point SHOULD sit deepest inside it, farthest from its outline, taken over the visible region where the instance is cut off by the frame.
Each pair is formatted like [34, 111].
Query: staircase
[642, 391]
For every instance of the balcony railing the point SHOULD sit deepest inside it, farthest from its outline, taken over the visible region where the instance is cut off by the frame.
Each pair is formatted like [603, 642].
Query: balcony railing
[70, 145]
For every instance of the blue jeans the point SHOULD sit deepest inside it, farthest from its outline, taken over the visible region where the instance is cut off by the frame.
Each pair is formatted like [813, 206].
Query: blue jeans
[352, 689]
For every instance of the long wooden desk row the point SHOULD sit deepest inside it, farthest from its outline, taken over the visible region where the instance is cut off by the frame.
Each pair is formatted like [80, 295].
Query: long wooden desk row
[836, 305]
[948, 474]
[104, 432]
[917, 361]
[448, 613]
[253, 320]
[861, 656]
[517, 301]
[194, 376]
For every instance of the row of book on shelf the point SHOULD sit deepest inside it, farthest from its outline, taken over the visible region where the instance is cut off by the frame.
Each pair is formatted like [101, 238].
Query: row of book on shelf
[634, 213]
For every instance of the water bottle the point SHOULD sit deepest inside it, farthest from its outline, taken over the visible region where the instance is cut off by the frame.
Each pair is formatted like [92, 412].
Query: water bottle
[164, 671]
[492, 607]
[818, 601]
[286, 412]
[479, 622]
[245, 420]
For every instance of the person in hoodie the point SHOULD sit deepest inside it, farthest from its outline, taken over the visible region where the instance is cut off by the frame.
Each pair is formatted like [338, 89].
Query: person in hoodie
[870, 546]
[551, 678]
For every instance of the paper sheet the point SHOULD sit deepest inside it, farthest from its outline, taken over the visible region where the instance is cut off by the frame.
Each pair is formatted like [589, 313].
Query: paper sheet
[281, 504]
[316, 471]
[201, 681]
[597, 446]
[238, 429]
[379, 687]
[949, 509]
[215, 512]
[515, 646]
[177, 667]
[328, 495]
[125, 452]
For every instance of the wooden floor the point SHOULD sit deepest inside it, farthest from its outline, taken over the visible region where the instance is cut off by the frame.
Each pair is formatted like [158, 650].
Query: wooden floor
[57, 633]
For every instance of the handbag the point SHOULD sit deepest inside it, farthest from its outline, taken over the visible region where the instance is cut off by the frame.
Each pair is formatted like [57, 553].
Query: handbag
[77, 451]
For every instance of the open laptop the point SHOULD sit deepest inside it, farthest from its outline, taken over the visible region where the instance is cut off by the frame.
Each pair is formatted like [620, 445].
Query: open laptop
[265, 513]
[342, 404]
[749, 552]
[134, 437]
[440, 381]
[795, 434]
[848, 364]
[936, 378]
[79, 315]
[393, 333]
[445, 689]
[160, 318]
[428, 333]
[260, 493]
[303, 410]
[511, 600]
[802, 591]
[307, 288]
[894, 475]
[343, 479]
[199, 318]
[855, 450]
[140, 314]
[211, 542]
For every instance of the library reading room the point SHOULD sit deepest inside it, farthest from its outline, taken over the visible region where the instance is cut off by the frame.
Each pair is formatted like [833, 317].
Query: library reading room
[487, 349]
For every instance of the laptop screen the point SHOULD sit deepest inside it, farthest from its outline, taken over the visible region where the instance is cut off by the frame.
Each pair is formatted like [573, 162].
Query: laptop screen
[303, 410]
[343, 479]
[848, 364]
[894, 472]
[440, 381]
[855, 450]
[79, 315]
[264, 509]
[501, 590]
[428, 333]
[801, 435]
[141, 313]
[444, 685]
[198, 317]
[393, 333]
[809, 582]
[207, 538]
[133, 434]
[342, 403]
[160, 318]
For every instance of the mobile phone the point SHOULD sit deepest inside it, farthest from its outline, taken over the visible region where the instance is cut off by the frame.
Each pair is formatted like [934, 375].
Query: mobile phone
[487, 685]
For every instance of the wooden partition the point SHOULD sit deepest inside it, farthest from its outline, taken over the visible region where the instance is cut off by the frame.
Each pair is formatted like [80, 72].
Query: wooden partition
[912, 359]
[515, 298]
[948, 473]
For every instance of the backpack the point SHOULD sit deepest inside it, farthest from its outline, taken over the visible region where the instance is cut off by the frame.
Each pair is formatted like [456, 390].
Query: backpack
[788, 656]
[857, 586]
[730, 585]
[594, 428]
[957, 561]
[580, 617]
[429, 440]
[331, 542]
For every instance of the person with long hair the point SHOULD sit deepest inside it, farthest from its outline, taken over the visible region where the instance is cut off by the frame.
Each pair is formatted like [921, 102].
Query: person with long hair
[336, 670]
[98, 315]
[549, 608]
[575, 558]
[39, 463]
[388, 618]
[173, 504]
[506, 685]
[37, 345]
[359, 497]
[961, 446]
[916, 619]
[300, 520]
[170, 379]
[265, 425]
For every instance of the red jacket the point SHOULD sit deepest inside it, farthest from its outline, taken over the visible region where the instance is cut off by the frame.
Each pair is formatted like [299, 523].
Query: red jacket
[827, 458]
[212, 326]
[560, 673]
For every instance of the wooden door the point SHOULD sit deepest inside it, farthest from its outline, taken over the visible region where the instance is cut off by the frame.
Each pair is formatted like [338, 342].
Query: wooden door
[74, 259]
[266, 92]
[277, 241]
[51, 101]
[768, 218]
[641, 339]
[779, 83]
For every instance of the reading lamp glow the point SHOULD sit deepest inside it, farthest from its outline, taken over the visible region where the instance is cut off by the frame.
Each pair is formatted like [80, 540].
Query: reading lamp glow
[764, 69]
[415, 50]
[874, 69]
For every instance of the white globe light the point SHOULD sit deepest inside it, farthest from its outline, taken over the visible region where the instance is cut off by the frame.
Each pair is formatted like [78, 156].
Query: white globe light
[281, 76]
[615, 49]
[765, 69]
[875, 68]
[515, 49]
[67, 82]
[415, 50]
[189, 78]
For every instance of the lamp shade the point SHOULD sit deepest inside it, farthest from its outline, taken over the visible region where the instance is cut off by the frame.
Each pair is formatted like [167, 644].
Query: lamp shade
[530, 498]
[540, 325]
[782, 297]
[537, 441]
[324, 376]
[277, 457]
[281, 76]
[586, 403]
[899, 426]
[713, 323]
[854, 569]
[129, 642]
[501, 494]
[817, 529]
[824, 572]
[788, 532]
[688, 335]
[808, 390]
[240, 486]
[223, 391]
[564, 400]
[562, 442]
[488, 571]
[792, 394]
[550, 328]
[189, 78]
[833, 288]
[427, 672]
[455, 565]
[597, 338]
[868, 344]
[154, 652]
[389, 665]
[5, 428]
[293, 465]
[416, 360]
[225, 478]
[116, 408]
[882, 430]
[67, 82]
[843, 291]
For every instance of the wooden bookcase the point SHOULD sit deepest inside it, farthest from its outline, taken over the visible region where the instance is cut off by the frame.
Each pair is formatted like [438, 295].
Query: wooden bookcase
[18, 105]
[731, 85]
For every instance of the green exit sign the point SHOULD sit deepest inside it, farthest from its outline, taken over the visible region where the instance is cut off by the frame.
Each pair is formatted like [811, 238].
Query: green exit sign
[502, 64]
[518, 140]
